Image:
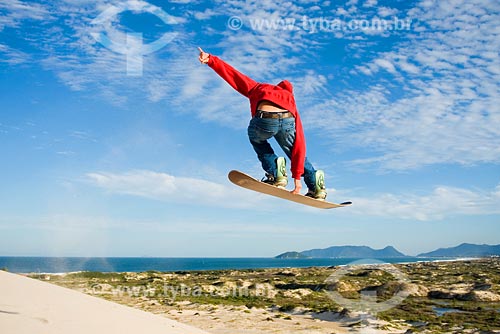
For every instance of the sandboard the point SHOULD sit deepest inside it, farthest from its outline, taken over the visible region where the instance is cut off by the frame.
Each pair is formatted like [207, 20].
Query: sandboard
[248, 182]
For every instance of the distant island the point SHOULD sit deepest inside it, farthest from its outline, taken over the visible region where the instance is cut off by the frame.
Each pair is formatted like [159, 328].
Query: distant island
[463, 250]
[292, 255]
[344, 252]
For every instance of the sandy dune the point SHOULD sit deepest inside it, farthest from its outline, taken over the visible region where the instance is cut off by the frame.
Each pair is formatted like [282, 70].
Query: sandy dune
[29, 306]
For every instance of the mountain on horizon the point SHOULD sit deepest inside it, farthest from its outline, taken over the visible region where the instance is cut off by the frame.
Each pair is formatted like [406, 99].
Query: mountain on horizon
[345, 252]
[465, 250]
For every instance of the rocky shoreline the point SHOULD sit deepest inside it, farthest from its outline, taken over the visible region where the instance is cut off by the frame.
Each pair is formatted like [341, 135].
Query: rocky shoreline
[428, 297]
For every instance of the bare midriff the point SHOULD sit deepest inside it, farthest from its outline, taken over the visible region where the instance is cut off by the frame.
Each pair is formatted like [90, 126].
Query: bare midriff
[269, 107]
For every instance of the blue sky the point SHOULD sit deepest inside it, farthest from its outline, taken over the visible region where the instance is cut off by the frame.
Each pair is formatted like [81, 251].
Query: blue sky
[113, 146]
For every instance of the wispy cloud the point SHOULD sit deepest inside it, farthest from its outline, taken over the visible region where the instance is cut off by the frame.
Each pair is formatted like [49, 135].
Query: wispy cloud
[84, 64]
[443, 202]
[11, 56]
[13, 12]
[169, 188]
[448, 72]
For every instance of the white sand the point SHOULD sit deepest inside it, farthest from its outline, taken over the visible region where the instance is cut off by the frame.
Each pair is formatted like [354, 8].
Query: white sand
[29, 306]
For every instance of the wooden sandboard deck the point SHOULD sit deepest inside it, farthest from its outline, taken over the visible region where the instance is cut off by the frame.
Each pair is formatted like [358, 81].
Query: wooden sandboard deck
[246, 181]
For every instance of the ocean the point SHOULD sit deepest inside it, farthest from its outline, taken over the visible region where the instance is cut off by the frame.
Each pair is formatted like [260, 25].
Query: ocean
[138, 264]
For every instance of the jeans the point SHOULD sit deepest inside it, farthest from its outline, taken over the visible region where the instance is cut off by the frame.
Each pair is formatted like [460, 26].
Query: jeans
[283, 130]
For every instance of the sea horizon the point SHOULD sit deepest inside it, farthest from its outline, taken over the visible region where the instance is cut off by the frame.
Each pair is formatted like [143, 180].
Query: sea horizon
[55, 264]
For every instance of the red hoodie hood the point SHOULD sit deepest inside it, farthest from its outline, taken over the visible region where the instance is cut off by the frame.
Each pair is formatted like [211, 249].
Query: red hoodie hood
[285, 84]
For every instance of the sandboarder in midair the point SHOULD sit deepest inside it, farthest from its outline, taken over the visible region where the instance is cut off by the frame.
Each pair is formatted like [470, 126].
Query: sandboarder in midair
[274, 114]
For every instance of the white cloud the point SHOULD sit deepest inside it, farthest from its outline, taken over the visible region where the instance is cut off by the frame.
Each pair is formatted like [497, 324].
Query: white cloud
[370, 3]
[439, 101]
[92, 67]
[169, 188]
[386, 65]
[13, 12]
[310, 83]
[206, 14]
[12, 56]
[387, 11]
[443, 202]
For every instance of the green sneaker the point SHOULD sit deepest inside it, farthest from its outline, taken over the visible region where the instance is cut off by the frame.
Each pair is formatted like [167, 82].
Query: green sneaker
[281, 179]
[281, 176]
[319, 191]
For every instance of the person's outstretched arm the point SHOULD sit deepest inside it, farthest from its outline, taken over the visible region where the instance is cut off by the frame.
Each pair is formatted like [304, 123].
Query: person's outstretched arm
[239, 81]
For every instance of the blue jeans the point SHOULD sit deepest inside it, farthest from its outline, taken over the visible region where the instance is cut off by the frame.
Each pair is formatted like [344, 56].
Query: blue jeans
[283, 130]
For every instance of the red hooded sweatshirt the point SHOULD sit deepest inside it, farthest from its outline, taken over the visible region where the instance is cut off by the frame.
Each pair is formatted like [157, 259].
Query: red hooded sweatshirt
[280, 94]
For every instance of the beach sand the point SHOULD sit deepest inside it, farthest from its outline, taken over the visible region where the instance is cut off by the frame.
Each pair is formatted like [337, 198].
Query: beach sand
[29, 306]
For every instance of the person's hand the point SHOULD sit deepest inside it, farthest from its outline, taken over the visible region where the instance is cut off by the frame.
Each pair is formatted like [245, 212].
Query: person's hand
[298, 187]
[204, 57]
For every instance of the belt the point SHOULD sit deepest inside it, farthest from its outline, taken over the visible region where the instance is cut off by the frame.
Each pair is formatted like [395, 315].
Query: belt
[268, 114]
